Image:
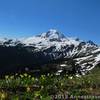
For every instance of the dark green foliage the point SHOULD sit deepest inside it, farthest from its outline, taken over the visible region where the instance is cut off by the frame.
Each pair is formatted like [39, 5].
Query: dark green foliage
[26, 86]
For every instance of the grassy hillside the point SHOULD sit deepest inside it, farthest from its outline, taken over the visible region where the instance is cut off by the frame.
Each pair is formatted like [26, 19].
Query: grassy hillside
[28, 87]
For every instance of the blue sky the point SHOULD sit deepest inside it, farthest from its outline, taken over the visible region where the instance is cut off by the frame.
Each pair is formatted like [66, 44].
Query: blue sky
[24, 18]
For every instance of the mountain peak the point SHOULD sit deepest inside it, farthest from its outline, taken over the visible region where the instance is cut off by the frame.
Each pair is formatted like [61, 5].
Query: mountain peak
[53, 34]
[53, 30]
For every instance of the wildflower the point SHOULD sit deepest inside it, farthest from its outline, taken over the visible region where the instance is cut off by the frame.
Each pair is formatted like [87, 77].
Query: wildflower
[89, 81]
[21, 76]
[48, 74]
[33, 79]
[37, 93]
[61, 84]
[16, 74]
[11, 77]
[6, 77]
[51, 75]
[42, 87]
[43, 77]
[91, 89]
[25, 74]
[77, 75]
[36, 79]
[3, 95]
[70, 77]
[28, 89]
[29, 76]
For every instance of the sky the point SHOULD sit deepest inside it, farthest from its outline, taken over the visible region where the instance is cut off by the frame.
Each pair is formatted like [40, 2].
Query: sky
[74, 18]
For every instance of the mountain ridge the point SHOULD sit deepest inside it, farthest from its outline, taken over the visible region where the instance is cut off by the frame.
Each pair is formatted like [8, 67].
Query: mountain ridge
[53, 45]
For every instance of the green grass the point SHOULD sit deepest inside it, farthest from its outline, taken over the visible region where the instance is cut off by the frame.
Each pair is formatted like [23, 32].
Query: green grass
[26, 86]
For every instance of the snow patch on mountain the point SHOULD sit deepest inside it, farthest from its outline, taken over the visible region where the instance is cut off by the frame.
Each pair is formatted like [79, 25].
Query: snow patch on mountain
[98, 58]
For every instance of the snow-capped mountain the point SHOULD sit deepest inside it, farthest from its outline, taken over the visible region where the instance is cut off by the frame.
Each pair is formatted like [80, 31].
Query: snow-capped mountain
[53, 45]
[49, 39]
